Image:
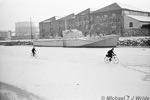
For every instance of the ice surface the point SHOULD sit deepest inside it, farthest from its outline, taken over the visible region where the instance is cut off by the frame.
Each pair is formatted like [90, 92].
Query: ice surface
[76, 73]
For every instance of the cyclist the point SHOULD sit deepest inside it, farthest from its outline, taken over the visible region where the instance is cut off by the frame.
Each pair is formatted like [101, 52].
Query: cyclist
[110, 54]
[33, 51]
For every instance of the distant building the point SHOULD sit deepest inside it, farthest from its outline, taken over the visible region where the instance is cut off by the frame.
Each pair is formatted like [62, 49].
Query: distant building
[5, 35]
[116, 18]
[25, 30]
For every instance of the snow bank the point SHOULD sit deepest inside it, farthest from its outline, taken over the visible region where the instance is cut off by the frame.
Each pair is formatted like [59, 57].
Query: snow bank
[134, 41]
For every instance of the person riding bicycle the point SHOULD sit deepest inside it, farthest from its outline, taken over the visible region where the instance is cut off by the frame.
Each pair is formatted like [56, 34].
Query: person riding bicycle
[33, 51]
[110, 54]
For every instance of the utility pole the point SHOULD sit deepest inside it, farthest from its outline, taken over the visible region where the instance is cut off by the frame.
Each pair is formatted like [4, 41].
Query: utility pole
[65, 23]
[31, 28]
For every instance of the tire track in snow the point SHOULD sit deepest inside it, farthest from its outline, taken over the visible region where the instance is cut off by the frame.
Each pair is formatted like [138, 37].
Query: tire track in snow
[147, 73]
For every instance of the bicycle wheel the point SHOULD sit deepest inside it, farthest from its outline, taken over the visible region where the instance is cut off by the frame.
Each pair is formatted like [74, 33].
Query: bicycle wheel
[115, 60]
[106, 59]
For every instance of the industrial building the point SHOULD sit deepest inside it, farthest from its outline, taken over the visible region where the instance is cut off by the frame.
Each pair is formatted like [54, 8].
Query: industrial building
[123, 20]
[5, 35]
[115, 18]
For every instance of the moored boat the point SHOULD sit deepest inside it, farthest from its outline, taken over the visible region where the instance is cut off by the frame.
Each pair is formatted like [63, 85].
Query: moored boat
[74, 38]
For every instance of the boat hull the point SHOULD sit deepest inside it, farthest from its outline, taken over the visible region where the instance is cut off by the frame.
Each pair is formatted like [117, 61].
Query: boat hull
[104, 41]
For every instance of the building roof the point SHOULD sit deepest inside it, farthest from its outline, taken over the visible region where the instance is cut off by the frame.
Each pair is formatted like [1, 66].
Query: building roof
[87, 11]
[50, 19]
[70, 16]
[118, 6]
[128, 7]
[140, 18]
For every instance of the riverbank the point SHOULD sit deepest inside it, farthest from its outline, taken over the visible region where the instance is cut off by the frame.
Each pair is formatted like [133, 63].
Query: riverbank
[143, 42]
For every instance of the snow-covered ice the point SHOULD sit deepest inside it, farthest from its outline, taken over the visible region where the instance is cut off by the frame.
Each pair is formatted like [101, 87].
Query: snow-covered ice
[76, 73]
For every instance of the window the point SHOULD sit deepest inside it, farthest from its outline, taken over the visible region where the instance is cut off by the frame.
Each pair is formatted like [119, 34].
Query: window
[131, 24]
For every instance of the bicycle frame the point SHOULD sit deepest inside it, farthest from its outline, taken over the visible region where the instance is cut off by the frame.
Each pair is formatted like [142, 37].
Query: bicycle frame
[114, 59]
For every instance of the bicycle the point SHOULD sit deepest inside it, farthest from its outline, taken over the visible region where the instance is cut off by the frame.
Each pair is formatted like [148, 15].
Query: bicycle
[114, 59]
[34, 55]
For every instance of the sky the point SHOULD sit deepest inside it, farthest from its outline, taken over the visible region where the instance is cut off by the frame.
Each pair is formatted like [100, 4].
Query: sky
[12, 11]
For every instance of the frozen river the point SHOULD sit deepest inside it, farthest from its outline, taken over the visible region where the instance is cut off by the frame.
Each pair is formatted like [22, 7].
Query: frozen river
[76, 73]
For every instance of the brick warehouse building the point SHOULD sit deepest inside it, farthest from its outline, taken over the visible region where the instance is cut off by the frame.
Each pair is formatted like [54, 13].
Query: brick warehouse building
[46, 28]
[112, 19]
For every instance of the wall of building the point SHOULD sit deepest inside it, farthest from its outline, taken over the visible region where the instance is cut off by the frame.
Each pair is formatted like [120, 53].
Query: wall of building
[138, 13]
[82, 23]
[64, 23]
[136, 28]
[109, 22]
[44, 29]
[128, 20]
[57, 27]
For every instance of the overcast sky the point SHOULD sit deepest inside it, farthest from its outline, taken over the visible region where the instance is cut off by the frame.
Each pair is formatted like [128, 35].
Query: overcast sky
[12, 11]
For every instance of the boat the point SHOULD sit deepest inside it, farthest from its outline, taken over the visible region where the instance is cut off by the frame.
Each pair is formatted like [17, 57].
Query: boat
[75, 38]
